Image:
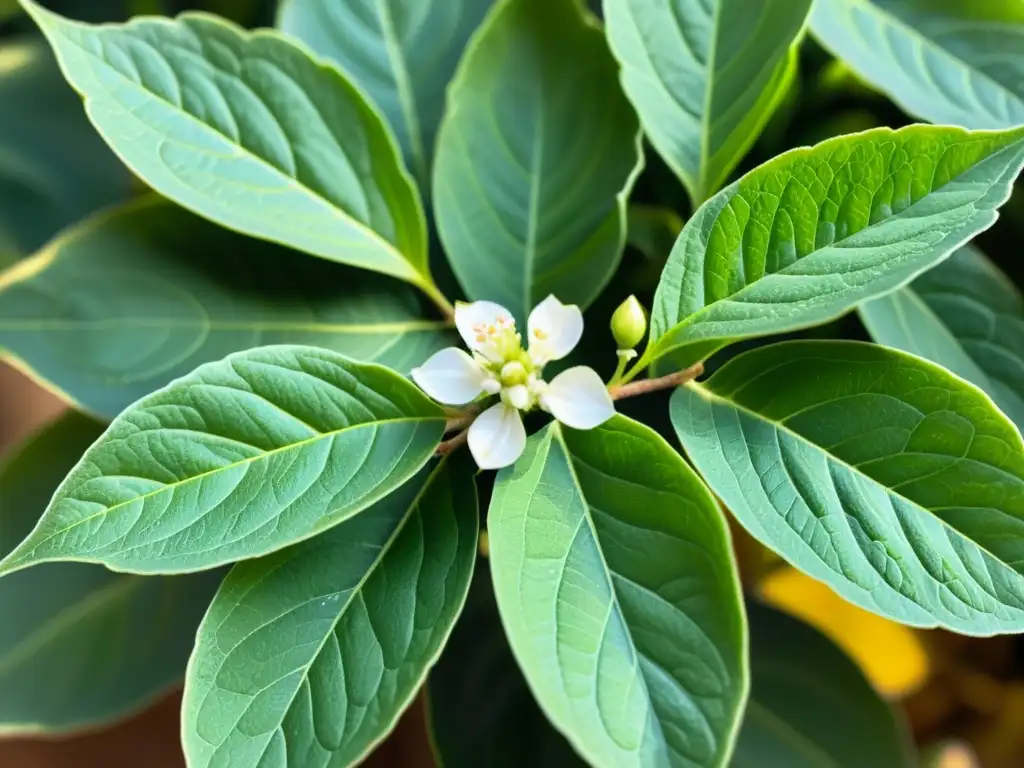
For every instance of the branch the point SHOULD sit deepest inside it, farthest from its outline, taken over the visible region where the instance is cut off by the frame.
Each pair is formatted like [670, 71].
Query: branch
[644, 386]
[451, 444]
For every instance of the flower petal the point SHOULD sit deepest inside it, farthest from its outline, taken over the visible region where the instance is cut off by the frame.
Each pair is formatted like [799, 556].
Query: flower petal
[451, 377]
[554, 330]
[497, 437]
[578, 398]
[469, 318]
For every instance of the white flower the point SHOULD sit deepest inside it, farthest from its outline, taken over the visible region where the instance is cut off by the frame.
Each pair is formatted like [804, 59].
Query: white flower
[500, 366]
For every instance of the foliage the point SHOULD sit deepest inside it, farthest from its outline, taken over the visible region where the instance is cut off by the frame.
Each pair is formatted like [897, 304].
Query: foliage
[244, 256]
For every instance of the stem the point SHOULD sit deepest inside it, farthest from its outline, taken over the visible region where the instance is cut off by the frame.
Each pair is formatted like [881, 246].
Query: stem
[435, 295]
[653, 385]
[620, 368]
[643, 361]
[451, 444]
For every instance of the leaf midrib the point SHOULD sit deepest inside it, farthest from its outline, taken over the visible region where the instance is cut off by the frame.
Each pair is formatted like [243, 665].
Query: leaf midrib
[704, 392]
[705, 121]
[63, 494]
[364, 229]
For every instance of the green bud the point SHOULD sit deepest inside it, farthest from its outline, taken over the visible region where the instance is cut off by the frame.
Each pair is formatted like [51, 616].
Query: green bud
[629, 323]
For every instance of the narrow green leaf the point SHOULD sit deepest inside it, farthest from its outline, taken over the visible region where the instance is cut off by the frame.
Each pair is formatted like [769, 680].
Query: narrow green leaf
[480, 709]
[885, 476]
[249, 131]
[614, 576]
[965, 315]
[536, 155]
[54, 169]
[705, 76]
[945, 61]
[814, 232]
[309, 656]
[81, 646]
[801, 687]
[402, 54]
[238, 459]
[120, 305]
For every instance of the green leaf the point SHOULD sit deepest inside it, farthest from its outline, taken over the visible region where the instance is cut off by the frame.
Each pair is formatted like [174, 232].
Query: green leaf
[814, 232]
[944, 61]
[9, 8]
[81, 646]
[309, 656]
[705, 76]
[965, 315]
[536, 156]
[54, 169]
[140, 295]
[653, 231]
[480, 710]
[248, 131]
[614, 576]
[402, 54]
[885, 476]
[238, 459]
[801, 687]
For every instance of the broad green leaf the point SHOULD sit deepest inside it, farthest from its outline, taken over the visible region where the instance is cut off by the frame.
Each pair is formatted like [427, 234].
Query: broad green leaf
[402, 54]
[308, 657]
[54, 169]
[137, 296]
[966, 316]
[480, 710]
[81, 646]
[885, 476]
[810, 706]
[945, 61]
[816, 231]
[536, 156]
[705, 76]
[249, 131]
[615, 581]
[238, 459]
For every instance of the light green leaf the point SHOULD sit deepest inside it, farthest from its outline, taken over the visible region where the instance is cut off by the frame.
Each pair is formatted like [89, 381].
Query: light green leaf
[801, 687]
[885, 476]
[308, 657]
[705, 76]
[81, 646]
[402, 54]
[54, 169]
[814, 232]
[965, 315]
[140, 295]
[480, 710]
[944, 61]
[238, 459]
[615, 581]
[536, 156]
[249, 131]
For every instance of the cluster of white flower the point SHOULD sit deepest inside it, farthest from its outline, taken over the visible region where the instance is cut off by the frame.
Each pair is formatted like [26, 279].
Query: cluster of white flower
[501, 366]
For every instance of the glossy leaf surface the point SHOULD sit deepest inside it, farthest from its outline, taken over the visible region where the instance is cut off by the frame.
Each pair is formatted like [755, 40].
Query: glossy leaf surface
[81, 646]
[965, 315]
[893, 481]
[346, 626]
[536, 155]
[705, 76]
[615, 581]
[814, 232]
[238, 459]
[248, 131]
[402, 54]
[132, 298]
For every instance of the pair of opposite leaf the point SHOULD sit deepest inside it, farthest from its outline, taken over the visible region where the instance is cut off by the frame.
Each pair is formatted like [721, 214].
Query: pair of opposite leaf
[501, 366]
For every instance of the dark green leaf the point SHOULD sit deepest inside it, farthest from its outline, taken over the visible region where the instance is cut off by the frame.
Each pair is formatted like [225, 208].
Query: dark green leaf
[307, 657]
[238, 459]
[614, 576]
[137, 296]
[81, 646]
[885, 476]
[536, 156]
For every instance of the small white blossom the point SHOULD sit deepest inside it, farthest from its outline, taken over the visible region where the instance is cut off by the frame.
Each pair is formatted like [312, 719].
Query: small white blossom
[501, 366]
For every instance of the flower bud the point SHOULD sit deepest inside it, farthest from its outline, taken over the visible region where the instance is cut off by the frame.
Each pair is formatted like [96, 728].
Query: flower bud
[629, 323]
